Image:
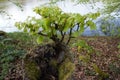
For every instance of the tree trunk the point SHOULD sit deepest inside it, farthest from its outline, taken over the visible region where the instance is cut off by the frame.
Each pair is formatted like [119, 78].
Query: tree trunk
[51, 62]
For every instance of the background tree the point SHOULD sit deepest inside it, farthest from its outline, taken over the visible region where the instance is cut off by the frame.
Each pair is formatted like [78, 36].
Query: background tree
[109, 5]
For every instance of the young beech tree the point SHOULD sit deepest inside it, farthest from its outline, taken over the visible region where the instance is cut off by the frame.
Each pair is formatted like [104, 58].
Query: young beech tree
[54, 60]
[54, 22]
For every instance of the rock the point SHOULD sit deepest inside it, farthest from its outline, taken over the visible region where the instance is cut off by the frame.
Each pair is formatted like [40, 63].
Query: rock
[2, 33]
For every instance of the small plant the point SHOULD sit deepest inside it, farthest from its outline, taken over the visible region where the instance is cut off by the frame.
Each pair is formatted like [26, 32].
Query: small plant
[8, 54]
[82, 45]
[113, 68]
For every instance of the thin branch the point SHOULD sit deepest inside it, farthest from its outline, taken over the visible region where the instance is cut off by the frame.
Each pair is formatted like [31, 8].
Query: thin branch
[40, 33]
[63, 35]
[69, 36]
[77, 26]
[55, 38]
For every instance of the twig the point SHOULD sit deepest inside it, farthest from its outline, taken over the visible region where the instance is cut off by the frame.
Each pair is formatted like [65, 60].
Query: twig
[63, 35]
[78, 26]
[69, 36]
[40, 33]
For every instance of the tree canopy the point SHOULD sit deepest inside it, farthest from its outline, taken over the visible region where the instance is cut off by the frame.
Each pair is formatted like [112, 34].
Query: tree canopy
[54, 22]
[109, 5]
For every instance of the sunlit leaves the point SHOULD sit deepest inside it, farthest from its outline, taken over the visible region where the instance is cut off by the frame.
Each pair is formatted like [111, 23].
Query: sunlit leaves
[93, 15]
[75, 34]
[91, 24]
[39, 39]
[53, 21]
[69, 24]
[47, 11]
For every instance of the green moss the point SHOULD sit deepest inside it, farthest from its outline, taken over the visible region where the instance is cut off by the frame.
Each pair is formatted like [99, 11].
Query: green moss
[102, 74]
[32, 70]
[53, 62]
[66, 69]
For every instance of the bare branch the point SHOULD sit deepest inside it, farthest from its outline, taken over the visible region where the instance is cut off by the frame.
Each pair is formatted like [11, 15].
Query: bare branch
[69, 36]
[55, 38]
[77, 26]
[40, 33]
[63, 35]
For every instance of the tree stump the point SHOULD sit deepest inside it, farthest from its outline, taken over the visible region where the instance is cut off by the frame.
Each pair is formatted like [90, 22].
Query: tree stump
[49, 62]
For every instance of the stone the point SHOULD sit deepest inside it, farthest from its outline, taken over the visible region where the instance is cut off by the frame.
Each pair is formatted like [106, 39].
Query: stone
[2, 33]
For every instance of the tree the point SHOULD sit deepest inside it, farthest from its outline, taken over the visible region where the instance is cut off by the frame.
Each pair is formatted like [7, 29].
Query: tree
[54, 60]
[54, 22]
[110, 5]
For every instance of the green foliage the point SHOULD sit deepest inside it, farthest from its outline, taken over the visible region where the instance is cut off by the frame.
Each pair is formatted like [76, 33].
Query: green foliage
[12, 49]
[55, 25]
[109, 5]
[109, 26]
[54, 22]
[113, 68]
[8, 55]
[82, 45]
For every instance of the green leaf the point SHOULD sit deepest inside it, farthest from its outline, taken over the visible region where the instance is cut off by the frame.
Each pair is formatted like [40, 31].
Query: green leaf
[40, 40]
[81, 28]
[91, 24]
[69, 24]
[75, 34]
[93, 15]
[25, 29]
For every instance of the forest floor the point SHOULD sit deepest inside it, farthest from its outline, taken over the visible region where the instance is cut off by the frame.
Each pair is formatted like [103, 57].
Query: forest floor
[103, 62]
[96, 58]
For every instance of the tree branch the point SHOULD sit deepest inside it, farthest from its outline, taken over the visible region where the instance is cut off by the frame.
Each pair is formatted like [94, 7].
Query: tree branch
[69, 36]
[55, 38]
[40, 33]
[77, 26]
[63, 35]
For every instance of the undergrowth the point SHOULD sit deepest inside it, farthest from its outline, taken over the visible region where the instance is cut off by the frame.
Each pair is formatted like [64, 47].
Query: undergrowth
[12, 48]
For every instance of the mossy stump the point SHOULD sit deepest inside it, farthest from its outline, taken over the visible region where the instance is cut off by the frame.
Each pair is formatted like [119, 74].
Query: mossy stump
[49, 62]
